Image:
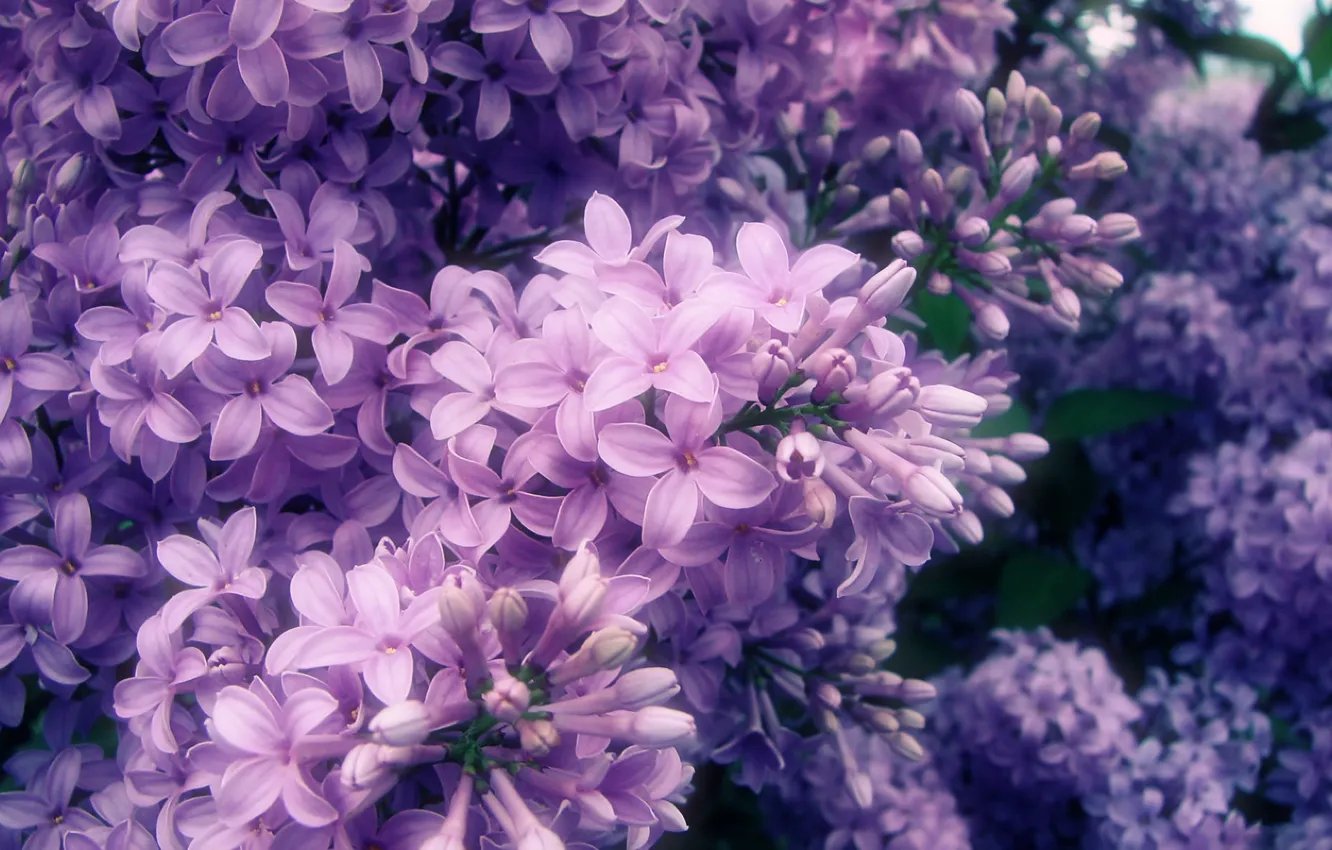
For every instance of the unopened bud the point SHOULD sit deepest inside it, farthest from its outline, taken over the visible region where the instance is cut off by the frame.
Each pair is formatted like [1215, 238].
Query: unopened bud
[1117, 229]
[992, 321]
[1106, 165]
[967, 527]
[995, 106]
[647, 686]
[876, 149]
[908, 245]
[66, 178]
[906, 746]
[1017, 178]
[959, 179]
[939, 284]
[885, 291]
[882, 720]
[604, 649]
[537, 737]
[996, 501]
[819, 502]
[950, 407]
[892, 392]
[827, 693]
[910, 718]
[1016, 90]
[987, 263]
[972, 230]
[882, 649]
[457, 613]
[507, 699]
[1066, 304]
[772, 365]
[656, 726]
[1085, 127]
[909, 151]
[1026, 446]
[1077, 228]
[1104, 278]
[402, 724]
[832, 370]
[832, 122]
[932, 492]
[508, 610]
[968, 111]
[858, 664]
[901, 208]
[364, 765]
[821, 149]
[807, 640]
[732, 190]
[843, 200]
[1005, 471]
[25, 177]
[917, 690]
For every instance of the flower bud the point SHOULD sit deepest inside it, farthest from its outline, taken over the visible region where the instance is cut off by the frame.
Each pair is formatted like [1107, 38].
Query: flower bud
[876, 149]
[821, 149]
[996, 501]
[886, 290]
[807, 640]
[1117, 228]
[798, 456]
[1104, 278]
[908, 245]
[772, 365]
[1016, 90]
[1017, 178]
[656, 726]
[537, 737]
[906, 746]
[968, 111]
[647, 686]
[932, 188]
[996, 105]
[364, 765]
[732, 190]
[1077, 228]
[25, 177]
[1005, 471]
[972, 230]
[1066, 304]
[66, 178]
[457, 613]
[892, 392]
[843, 200]
[932, 492]
[833, 371]
[967, 527]
[902, 208]
[507, 699]
[882, 720]
[819, 501]
[939, 284]
[1106, 165]
[917, 690]
[827, 694]
[950, 407]
[604, 649]
[508, 610]
[403, 724]
[992, 321]
[960, 179]
[988, 263]
[1085, 127]
[909, 151]
[1026, 446]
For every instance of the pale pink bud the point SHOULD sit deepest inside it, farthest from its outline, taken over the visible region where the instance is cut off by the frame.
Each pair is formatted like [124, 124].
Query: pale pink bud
[950, 407]
[457, 613]
[603, 649]
[827, 693]
[972, 230]
[583, 603]
[647, 686]
[1106, 165]
[881, 649]
[1026, 446]
[832, 370]
[508, 610]
[772, 365]
[996, 501]
[507, 699]
[364, 765]
[967, 527]
[882, 720]
[939, 284]
[988, 263]
[1077, 228]
[1017, 178]
[892, 392]
[402, 724]
[1104, 278]
[909, 150]
[917, 690]
[906, 746]
[537, 737]
[932, 492]
[1117, 228]
[1066, 304]
[798, 456]
[656, 726]
[968, 111]
[819, 502]
[876, 149]
[992, 321]
[1085, 127]
[807, 640]
[901, 208]
[1006, 471]
[910, 718]
[908, 245]
[885, 291]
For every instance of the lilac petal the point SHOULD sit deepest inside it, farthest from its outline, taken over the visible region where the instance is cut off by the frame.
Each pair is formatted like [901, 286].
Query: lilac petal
[608, 232]
[340, 645]
[249, 788]
[252, 22]
[750, 574]
[463, 365]
[303, 804]
[730, 479]
[236, 430]
[455, 413]
[57, 663]
[317, 597]
[375, 594]
[817, 267]
[73, 525]
[635, 449]
[137, 696]
[615, 381]
[581, 517]
[170, 420]
[69, 609]
[15, 326]
[181, 344]
[553, 43]
[414, 474]
[569, 257]
[177, 609]
[298, 303]
[264, 70]
[96, 112]
[687, 376]
[236, 542]
[705, 543]
[576, 428]
[20, 810]
[322, 35]
[531, 384]
[230, 267]
[365, 76]
[459, 60]
[621, 324]
[188, 560]
[296, 408]
[46, 373]
[492, 110]
[389, 675]
[239, 337]
[762, 254]
[53, 100]
[495, 16]
[908, 538]
[194, 39]
[243, 721]
[21, 561]
[334, 351]
[690, 424]
[686, 323]
[368, 321]
[119, 561]
[176, 289]
[671, 507]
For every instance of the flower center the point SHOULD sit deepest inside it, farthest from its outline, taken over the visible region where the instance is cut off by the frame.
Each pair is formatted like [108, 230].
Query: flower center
[660, 366]
[689, 460]
[254, 388]
[8, 365]
[69, 568]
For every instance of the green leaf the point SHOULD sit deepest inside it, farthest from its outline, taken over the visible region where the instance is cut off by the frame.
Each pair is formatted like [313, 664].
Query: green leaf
[1318, 47]
[1061, 490]
[1249, 48]
[1036, 587]
[1012, 421]
[947, 320]
[1090, 413]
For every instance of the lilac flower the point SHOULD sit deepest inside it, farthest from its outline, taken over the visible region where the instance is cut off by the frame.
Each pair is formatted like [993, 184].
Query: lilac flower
[43, 373]
[59, 577]
[208, 313]
[334, 321]
[357, 34]
[550, 34]
[692, 465]
[127, 403]
[164, 667]
[331, 221]
[81, 77]
[649, 353]
[45, 805]
[221, 568]
[499, 71]
[257, 392]
[30, 608]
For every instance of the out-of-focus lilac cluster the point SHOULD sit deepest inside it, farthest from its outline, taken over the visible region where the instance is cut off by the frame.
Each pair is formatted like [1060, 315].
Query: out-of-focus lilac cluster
[370, 477]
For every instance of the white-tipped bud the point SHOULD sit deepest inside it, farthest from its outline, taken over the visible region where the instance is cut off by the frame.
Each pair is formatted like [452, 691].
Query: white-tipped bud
[886, 290]
[932, 492]
[876, 149]
[908, 245]
[1026, 446]
[537, 737]
[966, 526]
[807, 640]
[66, 178]
[507, 699]
[1066, 304]
[457, 613]
[832, 371]
[909, 151]
[992, 321]
[1016, 90]
[950, 407]
[995, 106]
[656, 726]
[1077, 228]
[968, 111]
[906, 746]
[364, 765]
[892, 392]
[402, 724]
[1085, 127]
[1117, 229]
[988, 263]
[819, 502]
[647, 686]
[910, 718]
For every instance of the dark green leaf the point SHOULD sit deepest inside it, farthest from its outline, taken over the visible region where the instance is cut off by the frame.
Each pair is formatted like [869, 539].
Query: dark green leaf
[1249, 48]
[1012, 421]
[1060, 491]
[1089, 413]
[947, 320]
[1036, 587]
[1287, 131]
[1318, 47]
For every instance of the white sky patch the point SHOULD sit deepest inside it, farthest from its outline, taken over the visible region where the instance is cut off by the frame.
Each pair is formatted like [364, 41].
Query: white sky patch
[1281, 21]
